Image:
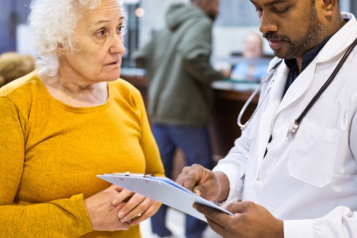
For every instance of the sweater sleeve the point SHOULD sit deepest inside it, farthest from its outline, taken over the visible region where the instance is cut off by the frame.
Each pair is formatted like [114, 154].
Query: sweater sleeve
[60, 218]
[148, 144]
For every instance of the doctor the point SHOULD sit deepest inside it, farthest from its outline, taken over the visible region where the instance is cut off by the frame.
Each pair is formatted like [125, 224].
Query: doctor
[303, 184]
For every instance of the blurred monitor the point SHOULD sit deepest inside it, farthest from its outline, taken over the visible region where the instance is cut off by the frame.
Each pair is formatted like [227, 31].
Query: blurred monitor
[249, 70]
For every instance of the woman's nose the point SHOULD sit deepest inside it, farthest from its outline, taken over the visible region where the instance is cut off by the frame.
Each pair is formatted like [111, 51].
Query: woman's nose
[117, 45]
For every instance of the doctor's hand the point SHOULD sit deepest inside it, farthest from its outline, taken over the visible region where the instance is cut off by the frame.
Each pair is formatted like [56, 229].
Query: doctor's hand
[249, 221]
[137, 208]
[205, 183]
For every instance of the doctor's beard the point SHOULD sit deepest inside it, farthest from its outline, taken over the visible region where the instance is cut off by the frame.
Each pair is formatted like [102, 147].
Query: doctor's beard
[314, 34]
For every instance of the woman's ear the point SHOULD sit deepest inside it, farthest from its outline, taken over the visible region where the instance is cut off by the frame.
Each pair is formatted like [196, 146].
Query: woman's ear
[60, 49]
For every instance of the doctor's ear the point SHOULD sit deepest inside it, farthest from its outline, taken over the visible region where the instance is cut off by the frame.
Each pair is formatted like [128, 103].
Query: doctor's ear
[329, 8]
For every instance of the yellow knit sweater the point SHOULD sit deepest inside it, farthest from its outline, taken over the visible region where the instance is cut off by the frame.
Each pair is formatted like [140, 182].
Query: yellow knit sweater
[50, 154]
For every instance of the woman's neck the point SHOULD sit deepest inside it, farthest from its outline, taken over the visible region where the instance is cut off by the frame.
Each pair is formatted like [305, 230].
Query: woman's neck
[77, 94]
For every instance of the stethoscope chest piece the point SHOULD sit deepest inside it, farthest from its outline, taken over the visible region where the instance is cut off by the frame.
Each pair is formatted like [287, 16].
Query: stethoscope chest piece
[293, 128]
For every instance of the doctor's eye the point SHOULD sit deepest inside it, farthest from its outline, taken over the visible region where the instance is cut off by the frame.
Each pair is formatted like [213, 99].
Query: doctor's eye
[281, 11]
[259, 9]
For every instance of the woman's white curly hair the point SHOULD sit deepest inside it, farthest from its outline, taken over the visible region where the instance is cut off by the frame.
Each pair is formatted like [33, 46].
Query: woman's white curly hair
[53, 22]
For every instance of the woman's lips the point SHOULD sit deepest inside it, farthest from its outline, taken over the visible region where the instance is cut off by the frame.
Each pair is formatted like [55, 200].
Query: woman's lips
[113, 63]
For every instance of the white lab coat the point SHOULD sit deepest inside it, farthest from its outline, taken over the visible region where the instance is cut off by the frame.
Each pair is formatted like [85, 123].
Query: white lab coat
[309, 179]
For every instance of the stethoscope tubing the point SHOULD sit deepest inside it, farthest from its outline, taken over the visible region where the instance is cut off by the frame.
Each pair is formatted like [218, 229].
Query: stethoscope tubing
[266, 79]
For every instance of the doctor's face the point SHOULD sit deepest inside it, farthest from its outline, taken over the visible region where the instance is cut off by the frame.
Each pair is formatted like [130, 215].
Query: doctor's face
[292, 27]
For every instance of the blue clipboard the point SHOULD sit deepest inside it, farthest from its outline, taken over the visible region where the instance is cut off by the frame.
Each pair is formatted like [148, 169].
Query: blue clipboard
[163, 190]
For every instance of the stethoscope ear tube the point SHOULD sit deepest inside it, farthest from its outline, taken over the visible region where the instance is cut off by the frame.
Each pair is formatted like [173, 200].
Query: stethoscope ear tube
[295, 126]
[266, 79]
[242, 126]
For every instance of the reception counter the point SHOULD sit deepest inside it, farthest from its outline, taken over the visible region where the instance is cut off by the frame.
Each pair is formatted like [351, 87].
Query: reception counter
[227, 104]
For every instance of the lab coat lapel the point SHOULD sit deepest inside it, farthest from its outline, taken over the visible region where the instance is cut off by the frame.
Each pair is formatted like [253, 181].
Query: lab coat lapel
[272, 105]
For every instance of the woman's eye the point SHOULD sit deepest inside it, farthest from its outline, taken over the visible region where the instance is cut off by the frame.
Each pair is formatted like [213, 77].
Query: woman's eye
[100, 33]
[120, 29]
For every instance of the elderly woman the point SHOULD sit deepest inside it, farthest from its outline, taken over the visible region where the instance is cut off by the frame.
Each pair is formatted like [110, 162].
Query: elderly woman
[69, 121]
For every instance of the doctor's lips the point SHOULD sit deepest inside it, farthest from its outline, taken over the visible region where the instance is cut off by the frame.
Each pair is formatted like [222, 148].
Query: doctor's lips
[275, 41]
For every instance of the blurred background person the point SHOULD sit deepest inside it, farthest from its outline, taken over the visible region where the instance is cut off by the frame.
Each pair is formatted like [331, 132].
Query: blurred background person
[69, 121]
[14, 65]
[180, 94]
[253, 69]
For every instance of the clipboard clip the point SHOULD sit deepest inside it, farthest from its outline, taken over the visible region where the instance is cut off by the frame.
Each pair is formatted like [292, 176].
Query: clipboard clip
[127, 174]
[148, 175]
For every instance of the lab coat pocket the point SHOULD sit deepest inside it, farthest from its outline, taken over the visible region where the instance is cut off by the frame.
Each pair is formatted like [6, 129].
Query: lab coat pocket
[313, 154]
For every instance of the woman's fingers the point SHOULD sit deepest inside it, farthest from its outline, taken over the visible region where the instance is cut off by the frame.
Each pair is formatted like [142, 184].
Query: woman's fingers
[135, 206]
[115, 187]
[122, 196]
[122, 225]
[147, 214]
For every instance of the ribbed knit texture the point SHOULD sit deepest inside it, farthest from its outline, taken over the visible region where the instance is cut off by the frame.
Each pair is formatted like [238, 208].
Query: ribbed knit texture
[50, 154]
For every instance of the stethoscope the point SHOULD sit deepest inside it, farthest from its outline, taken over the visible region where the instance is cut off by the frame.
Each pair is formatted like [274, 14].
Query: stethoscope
[271, 75]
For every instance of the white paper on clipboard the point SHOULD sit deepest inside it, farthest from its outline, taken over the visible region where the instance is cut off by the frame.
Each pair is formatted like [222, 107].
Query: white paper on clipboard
[163, 190]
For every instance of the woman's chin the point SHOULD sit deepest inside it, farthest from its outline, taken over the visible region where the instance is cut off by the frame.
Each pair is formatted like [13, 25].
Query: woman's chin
[113, 76]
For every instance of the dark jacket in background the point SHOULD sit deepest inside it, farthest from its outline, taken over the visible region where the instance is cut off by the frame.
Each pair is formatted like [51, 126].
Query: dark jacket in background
[177, 63]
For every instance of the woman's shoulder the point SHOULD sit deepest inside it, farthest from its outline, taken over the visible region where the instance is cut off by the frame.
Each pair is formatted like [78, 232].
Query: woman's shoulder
[125, 89]
[20, 93]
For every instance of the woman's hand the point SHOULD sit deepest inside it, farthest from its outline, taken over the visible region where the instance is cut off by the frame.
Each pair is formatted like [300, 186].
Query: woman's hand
[137, 208]
[103, 213]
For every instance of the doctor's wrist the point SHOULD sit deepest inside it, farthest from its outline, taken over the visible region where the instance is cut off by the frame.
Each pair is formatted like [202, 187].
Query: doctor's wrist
[223, 184]
[278, 229]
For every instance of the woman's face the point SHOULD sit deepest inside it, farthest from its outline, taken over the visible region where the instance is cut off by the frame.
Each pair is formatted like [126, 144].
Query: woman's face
[99, 44]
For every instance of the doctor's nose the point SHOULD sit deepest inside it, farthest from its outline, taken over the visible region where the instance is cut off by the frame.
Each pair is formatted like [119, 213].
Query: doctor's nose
[267, 24]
